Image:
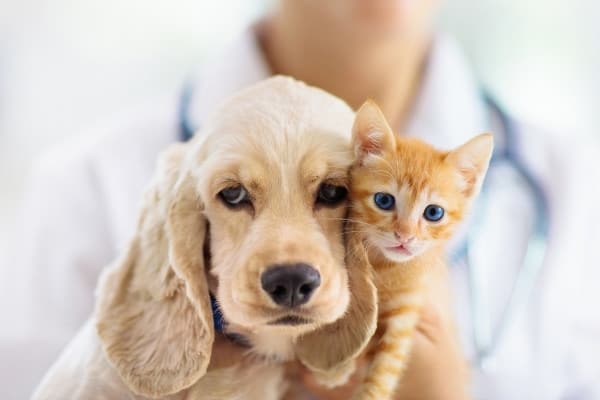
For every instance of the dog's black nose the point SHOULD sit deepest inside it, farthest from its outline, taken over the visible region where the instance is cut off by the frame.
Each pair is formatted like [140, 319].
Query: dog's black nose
[290, 285]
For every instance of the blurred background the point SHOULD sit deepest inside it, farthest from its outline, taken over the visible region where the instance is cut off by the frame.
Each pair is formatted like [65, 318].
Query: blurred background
[67, 65]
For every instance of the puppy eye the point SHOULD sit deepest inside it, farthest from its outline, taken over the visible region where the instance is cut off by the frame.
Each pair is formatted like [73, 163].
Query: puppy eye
[331, 194]
[234, 196]
[433, 213]
[385, 201]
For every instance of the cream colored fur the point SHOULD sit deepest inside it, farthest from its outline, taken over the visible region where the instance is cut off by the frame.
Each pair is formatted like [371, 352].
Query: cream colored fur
[151, 335]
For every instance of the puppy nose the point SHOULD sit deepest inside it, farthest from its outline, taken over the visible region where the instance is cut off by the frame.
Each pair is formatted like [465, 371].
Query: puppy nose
[290, 285]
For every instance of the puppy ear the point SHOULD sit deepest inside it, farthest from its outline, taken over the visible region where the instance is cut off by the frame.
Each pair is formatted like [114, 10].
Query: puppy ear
[371, 133]
[471, 162]
[335, 345]
[153, 312]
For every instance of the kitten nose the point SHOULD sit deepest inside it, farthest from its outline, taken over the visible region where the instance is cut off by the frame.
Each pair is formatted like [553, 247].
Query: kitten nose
[404, 238]
[290, 285]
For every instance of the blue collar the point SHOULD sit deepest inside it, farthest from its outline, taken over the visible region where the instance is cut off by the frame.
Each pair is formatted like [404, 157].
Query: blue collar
[219, 324]
[218, 320]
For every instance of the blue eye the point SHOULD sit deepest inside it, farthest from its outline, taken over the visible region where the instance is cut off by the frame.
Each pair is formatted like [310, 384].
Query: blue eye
[385, 201]
[433, 213]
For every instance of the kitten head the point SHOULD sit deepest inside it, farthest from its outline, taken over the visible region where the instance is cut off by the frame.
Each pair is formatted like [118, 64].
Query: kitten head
[407, 195]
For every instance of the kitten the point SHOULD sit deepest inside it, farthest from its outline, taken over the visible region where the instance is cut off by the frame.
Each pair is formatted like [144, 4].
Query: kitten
[406, 200]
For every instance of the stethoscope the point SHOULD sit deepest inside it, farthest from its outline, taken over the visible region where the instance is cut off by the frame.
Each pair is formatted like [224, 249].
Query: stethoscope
[485, 339]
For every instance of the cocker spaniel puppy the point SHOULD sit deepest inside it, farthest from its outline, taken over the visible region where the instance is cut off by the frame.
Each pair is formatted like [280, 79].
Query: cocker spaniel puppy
[238, 264]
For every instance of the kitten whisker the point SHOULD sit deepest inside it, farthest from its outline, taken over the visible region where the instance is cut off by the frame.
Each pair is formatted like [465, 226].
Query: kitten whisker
[355, 221]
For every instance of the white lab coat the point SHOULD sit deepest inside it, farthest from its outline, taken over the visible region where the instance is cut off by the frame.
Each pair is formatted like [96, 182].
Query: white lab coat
[83, 202]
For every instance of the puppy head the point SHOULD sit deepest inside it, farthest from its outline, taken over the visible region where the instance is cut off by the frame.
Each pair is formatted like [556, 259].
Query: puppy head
[272, 174]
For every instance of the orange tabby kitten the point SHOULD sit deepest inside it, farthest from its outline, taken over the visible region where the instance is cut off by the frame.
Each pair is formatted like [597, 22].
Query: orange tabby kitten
[406, 200]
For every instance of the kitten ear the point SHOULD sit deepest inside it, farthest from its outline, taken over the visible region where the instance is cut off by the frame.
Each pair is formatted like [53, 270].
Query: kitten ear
[371, 133]
[471, 161]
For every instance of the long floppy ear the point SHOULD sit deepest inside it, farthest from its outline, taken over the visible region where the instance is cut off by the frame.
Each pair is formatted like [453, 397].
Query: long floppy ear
[337, 344]
[371, 133]
[153, 312]
[471, 161]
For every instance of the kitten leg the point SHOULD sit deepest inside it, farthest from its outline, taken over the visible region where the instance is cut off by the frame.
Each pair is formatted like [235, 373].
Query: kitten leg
[391, 354]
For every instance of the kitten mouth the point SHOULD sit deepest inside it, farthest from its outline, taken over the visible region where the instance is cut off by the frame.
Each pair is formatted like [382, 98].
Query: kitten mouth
[401, 249]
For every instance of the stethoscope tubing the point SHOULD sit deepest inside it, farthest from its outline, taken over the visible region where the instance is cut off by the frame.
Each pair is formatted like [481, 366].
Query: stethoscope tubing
[487, 340]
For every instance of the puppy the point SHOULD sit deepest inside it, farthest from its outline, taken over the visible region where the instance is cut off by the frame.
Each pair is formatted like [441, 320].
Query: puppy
[241, 230]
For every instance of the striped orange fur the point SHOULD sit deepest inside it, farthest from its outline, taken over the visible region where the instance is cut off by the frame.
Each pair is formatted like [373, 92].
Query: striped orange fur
[401, 242]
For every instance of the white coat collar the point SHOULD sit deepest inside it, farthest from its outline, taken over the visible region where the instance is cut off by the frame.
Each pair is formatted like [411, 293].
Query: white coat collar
[448, 109]
[240, 65]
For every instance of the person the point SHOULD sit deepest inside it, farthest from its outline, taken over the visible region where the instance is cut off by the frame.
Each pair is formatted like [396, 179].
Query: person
[82, 204]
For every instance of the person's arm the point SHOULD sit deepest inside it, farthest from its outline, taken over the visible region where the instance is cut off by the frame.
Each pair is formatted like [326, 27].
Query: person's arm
[61, 244]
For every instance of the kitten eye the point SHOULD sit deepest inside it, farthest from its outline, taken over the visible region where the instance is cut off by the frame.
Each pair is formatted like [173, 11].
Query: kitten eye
[385, 201]
[433, 213]
[331, 194]
[234, 196]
